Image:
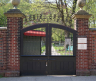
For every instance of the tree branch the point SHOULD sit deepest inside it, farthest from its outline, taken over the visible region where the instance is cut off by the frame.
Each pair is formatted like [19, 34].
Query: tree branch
[74, 6]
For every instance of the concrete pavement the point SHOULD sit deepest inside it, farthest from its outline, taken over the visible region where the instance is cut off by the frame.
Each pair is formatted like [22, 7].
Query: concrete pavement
[53, 51]
[50, 78]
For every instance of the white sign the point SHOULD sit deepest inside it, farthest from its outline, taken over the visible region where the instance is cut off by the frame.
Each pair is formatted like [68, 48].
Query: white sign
[82, 40]
[82, 46]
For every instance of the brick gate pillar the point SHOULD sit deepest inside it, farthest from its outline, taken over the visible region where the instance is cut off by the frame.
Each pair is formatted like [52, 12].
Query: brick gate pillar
[14, 25]
[82, 56]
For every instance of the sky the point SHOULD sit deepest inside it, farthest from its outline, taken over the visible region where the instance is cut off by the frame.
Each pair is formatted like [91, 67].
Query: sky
[51, 0]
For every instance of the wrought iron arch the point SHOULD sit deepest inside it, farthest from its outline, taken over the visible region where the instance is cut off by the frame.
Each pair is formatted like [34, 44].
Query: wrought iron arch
[36, 62]
[48, 25]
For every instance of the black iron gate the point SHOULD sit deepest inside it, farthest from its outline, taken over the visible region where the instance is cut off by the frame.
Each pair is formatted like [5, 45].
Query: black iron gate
[48, 49]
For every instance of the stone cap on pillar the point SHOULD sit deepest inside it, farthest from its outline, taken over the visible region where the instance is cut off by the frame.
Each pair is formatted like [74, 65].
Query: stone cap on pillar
[14, 13]
[81, 14]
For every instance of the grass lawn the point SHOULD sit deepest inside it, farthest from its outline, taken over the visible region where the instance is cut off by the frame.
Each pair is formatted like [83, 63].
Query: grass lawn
[43, 49]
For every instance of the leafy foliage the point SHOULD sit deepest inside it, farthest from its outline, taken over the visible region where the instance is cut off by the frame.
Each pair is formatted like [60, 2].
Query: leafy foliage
[46, 11]
[4, 7]
[60, 49]
[43, 49]
[90, 8]
[58, 34]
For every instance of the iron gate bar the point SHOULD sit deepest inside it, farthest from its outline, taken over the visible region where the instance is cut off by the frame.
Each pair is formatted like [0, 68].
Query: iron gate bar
[48, 33]
[31, 28]
[47, 55]
[64, 28]
[34, 27]
[34, 55]
[36, 61]
[74, 43]
[47, 39]
[43, 59]
[47, 25]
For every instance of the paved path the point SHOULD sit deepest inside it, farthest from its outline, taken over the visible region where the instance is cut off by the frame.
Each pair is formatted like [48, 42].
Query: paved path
[43, 53]
[53, 52]
[50, 78]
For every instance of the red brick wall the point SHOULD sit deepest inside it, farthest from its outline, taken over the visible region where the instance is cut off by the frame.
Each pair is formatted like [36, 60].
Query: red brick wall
[86, 59]
[82, 56]
[3, 42]
[92, 53]
[11, 47]
[3, 53]
[14, 26]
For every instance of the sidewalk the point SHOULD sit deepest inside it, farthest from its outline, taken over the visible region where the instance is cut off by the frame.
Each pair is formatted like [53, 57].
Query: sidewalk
[50, 78]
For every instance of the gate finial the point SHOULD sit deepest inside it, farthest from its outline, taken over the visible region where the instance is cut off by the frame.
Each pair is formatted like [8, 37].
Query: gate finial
[81, 3]
[15, 3]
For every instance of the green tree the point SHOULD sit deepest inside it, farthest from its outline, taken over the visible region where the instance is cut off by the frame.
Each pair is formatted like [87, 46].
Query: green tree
[4, 1]
[90, 8]
[63, 9]
[4, 7]
[58, 35]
